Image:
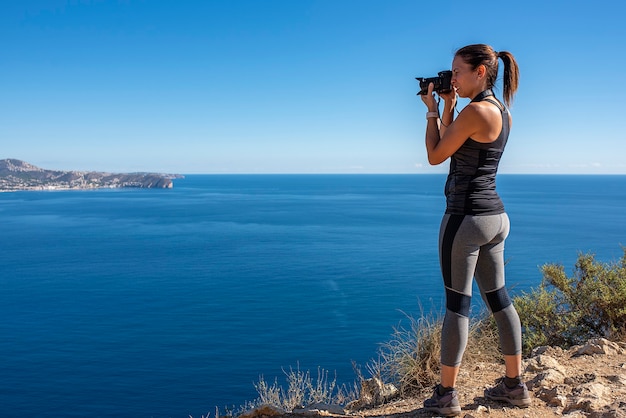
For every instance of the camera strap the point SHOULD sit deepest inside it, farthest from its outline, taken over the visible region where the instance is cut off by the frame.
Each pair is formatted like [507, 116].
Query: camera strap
[481, 96]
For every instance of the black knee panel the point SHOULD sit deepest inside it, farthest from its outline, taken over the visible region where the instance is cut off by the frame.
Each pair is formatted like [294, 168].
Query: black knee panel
[458, 302]
[498, 299]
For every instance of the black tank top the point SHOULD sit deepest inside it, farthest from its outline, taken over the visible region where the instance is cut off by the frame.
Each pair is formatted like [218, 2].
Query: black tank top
[471, 184]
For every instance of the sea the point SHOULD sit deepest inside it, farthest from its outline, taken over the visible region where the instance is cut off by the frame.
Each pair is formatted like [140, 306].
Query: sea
[175, 302]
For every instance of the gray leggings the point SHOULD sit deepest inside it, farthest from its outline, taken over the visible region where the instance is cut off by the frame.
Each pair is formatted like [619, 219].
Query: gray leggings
[473, 247]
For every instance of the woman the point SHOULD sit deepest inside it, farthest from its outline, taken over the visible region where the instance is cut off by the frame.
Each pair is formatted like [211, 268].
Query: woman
[475, 225]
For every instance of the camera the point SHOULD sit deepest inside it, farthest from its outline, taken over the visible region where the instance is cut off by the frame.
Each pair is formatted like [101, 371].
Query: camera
[442, 83]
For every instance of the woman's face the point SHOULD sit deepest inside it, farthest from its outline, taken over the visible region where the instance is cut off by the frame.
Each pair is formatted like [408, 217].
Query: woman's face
[464, 78]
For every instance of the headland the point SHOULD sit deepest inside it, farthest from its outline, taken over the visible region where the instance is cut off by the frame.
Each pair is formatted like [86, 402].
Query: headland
[19, 175]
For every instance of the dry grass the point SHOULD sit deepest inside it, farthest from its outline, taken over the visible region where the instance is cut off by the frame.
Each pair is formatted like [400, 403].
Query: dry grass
[483, 342]
[301, 389]
[410, 359]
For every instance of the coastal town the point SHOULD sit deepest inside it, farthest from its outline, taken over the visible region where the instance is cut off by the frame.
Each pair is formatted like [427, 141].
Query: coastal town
[18, 175]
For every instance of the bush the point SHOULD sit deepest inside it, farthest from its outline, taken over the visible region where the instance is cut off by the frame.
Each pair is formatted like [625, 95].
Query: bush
[569, 310]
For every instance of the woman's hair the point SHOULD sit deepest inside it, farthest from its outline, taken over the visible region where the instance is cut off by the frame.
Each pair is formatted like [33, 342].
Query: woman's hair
[481, 54]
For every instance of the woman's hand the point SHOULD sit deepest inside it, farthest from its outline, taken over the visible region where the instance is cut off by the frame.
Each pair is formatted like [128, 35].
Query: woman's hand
[429, 99]
[449, 97]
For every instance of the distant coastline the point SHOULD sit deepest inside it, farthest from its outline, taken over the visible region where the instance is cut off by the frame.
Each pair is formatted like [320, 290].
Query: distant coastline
[18, 175]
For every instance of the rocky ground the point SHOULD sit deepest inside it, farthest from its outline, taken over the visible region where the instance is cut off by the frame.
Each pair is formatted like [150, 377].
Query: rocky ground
[584, 381]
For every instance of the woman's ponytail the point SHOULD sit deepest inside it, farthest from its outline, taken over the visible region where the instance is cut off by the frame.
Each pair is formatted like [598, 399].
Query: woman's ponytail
[510, 75]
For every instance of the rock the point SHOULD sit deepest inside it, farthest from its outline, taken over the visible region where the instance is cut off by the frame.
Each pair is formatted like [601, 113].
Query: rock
[551, 376]
[543, 362]
[556, 396]
[616, 410]
[482, 409]
[318, 408]
[263, 411]
[588, 394]
[558, 401]
[599, 346]
[580, 379]
[617, 379]
[546, 349]
[373, 392]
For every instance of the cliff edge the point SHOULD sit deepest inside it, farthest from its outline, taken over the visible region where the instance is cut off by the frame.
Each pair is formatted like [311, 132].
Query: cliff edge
[586, 381]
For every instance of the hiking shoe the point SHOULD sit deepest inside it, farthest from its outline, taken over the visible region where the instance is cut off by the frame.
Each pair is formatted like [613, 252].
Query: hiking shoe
[446, 404]
[517, 396]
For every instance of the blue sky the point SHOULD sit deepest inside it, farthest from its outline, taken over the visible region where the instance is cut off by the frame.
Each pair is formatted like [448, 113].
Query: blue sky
[297, 86]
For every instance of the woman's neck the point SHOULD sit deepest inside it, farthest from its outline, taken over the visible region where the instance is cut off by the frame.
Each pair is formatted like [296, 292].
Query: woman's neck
[480, 87]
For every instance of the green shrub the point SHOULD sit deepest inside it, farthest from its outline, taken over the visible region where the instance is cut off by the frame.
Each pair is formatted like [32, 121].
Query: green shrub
[569, 310]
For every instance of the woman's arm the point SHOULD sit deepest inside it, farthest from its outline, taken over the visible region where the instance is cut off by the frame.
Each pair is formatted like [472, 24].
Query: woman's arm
[443, 141]
[440, 146]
